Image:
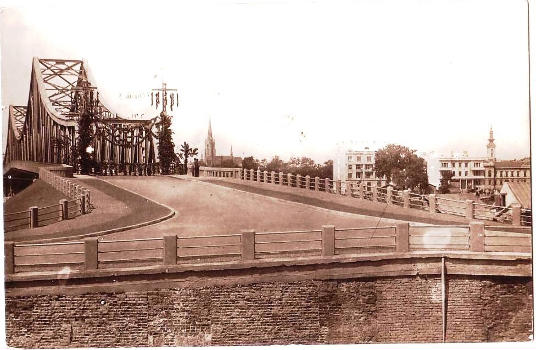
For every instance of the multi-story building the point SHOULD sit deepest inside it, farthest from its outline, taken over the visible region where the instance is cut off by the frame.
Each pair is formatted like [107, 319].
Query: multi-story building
[357, 167]
[484, 173]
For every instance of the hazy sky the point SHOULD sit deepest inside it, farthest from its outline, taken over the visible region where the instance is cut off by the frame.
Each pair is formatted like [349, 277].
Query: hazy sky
[296, 78]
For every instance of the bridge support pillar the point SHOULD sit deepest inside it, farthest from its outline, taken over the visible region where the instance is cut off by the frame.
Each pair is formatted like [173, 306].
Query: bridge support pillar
[432, 203]
[516, 214]
[34, 217]
[328, 240]
[405, 197]
[91, 253]
[9, 254]
[317, 183]
[170, 250]
[402, 237]
[476, 236]
[248, 244]
[469, 209]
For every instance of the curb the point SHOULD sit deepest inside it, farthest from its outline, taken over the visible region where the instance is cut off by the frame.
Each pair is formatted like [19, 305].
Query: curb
[113, 230]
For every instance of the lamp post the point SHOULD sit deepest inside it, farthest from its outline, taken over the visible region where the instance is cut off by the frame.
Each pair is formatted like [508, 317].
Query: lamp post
[89, 151]
[10, 193]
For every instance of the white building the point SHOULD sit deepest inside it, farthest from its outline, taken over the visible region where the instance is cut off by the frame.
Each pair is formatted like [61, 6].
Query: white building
[357, 167]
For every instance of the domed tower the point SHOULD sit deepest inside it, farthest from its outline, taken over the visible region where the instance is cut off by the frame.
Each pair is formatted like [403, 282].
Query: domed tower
[491, 145]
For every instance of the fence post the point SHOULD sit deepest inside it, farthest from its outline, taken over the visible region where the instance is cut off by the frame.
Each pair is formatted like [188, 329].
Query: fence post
[248, 244]
[326, 185]
[476, 236]
[432, 203]
[9, 254]
[469, 209]
[308, 182]
[362, 190]
[516, 214]
[258, 175]
[265, 176]
[405, 196]
[273, 177]
[244, 174]
[64, 212]
[328, 240]
[281, 178]
[402, 237]
[82, 204]
[317, 182]
[389, 196]
[289, 179]
[170, 250]
[34, 217]
[298, 180]
[374, 193]
[91, 253]
[251, 172]
[348, 189]
[338, 187]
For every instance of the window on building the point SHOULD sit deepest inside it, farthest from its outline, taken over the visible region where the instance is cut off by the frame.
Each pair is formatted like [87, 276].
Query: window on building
[358, 166]
[489, 173]
[349, 175]
[524, 173]
[466, 164]
[466, 173]
[500, 174]
[368, 166]
[350, 158]
[369, 158]
[444, 165]
[453, 164]
[459, 173]
[477, 164]
[350, 167]
[358, 175]
[459, 164]
[517, 173]
[358, 158]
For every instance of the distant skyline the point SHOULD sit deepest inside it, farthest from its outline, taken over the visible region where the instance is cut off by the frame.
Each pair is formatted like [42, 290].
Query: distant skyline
[301, 78]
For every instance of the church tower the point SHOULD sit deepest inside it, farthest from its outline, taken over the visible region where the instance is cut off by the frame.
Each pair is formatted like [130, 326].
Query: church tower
[491, 145]
[210, 147]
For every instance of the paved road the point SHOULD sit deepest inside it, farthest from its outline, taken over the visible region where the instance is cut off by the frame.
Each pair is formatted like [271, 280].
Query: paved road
[207, 209]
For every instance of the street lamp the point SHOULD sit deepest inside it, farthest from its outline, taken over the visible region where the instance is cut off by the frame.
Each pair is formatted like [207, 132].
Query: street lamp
[89, 151]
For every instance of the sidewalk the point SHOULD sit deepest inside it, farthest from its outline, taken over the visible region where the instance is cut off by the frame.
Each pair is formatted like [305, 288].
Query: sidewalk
[113, 208]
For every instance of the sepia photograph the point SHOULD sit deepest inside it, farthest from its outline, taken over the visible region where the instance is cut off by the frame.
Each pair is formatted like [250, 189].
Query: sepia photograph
[266, 173]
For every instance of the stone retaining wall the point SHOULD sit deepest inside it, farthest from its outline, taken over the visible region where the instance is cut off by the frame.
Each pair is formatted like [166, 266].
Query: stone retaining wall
[384, 310]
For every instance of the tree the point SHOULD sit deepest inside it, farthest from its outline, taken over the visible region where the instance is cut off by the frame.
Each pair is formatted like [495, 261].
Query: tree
[187, 152]
[165, 144]
[275, 164]
[85, 138]
[444, 182]
[250, 163]
[403, 167]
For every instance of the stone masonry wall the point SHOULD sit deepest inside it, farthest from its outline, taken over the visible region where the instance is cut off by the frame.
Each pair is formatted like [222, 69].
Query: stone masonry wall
[385, 310]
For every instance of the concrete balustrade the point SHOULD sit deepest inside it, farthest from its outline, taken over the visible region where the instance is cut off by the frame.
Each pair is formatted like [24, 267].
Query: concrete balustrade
[298, 180]
[272, 178]
[170, 250]
[469, 209]
[281, 178]
[265, 176]
[326, 185]
[308, 182]
[248, 244]
[64, 212]
[289, 180]
[405, 198]
[476, 236]
[258, 175]
[328, 240]
[389, 195]
[317, 183]
[91, 253]
[251, 175]
[432, 203]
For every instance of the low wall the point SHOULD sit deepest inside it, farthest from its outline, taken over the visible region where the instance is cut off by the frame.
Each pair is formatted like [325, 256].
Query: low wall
[377, 310]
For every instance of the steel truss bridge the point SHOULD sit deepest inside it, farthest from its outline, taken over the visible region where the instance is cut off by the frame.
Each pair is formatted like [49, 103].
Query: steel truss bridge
[46, 130]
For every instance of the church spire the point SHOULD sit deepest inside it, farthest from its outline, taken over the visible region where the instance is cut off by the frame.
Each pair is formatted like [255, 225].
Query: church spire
[209, 129]
[491, 145]
[231, 152]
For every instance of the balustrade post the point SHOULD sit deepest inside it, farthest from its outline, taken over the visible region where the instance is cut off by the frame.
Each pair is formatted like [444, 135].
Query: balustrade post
[170, 250]
[308, 182]
[432, 202]
[248, 244]
[245, 174]
[317, 183]
[265, 176]
[326, 185]
[9, 254]
[516, 214]
[402, 237]
[251, 174]
[281, 178]
[289, 179]
[476, 236]
[405, 197]
[91, 253]
[258, 175]
[34, 217]
[272, 177]
[328, 240]
[374, 193]
[389, 196]
[362, 190]
[348, 189]
[298, 180]
[338, 187]
[64, 212]
[469, 209]
[82, 205]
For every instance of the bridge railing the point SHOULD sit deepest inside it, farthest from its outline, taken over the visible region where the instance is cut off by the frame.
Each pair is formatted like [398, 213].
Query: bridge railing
[67, 187]
[248, 245]
[430, 203]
